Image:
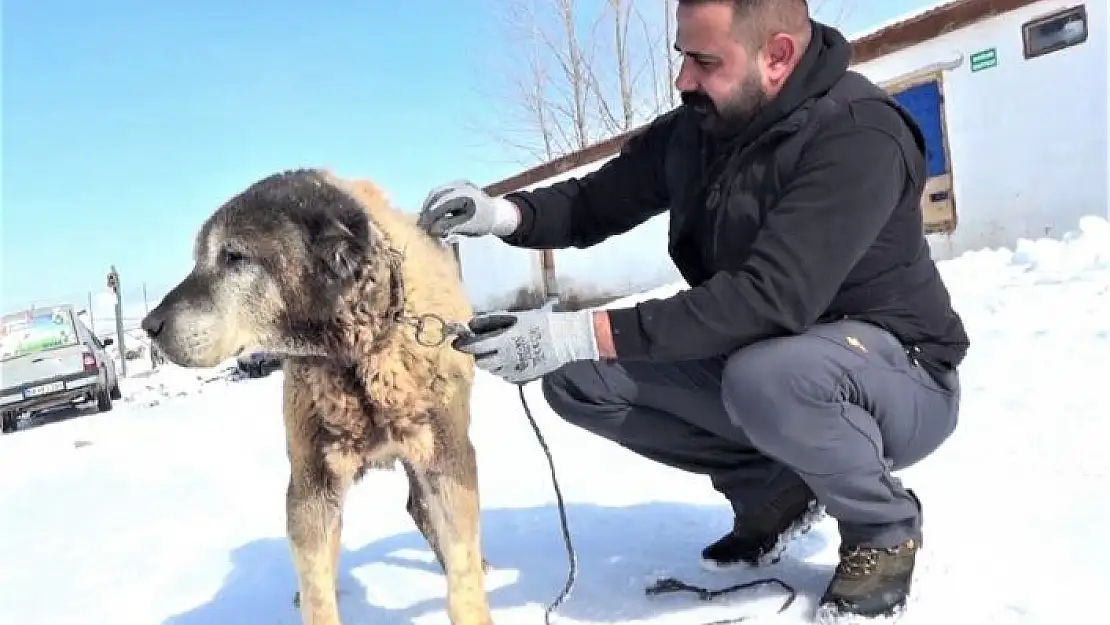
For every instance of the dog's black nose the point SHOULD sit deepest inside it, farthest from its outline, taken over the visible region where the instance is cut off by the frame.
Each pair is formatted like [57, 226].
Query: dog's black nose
[152, 323]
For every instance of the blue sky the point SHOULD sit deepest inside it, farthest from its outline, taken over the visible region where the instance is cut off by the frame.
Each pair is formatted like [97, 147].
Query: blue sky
[126, 122]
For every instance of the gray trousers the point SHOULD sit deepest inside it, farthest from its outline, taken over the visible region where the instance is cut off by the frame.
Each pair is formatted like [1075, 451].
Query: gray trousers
[839, 407]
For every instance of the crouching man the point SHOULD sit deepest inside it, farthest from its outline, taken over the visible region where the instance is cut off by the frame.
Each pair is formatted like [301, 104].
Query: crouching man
[816, 349]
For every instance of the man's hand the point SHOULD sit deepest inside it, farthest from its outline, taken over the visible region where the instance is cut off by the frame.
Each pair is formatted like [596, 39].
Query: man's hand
[462, 208]
[524, 346]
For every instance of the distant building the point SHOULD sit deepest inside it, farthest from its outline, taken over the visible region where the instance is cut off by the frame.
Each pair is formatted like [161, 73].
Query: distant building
[1011, 95]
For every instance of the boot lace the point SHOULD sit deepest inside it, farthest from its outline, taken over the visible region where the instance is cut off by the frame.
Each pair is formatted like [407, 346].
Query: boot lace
[858, 562]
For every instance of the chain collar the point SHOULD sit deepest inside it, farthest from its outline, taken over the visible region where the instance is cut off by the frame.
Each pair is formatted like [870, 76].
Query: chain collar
[430, 329]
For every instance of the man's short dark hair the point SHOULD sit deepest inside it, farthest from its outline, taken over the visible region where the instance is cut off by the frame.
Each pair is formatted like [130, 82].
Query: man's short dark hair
[755, 20]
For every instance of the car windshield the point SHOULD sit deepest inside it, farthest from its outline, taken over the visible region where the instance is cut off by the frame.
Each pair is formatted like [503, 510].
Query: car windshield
[36, 330]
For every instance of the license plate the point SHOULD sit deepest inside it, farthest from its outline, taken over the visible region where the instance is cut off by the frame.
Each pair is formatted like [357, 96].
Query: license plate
[43, 389]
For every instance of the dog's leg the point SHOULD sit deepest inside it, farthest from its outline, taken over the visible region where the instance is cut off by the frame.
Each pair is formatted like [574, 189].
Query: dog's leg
[418, 508]
[451, 493]
[314, 520]
[336, 547]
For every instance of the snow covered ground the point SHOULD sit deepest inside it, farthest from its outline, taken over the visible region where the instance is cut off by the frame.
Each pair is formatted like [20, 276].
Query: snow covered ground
[169, 510]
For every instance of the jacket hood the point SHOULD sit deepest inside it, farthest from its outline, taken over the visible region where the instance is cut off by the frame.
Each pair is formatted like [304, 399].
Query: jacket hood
[824, 62]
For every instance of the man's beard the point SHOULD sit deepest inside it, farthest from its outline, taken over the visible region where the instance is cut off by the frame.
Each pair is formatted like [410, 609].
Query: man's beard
[743, 104]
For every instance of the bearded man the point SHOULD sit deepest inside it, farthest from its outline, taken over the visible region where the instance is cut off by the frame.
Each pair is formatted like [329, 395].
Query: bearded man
[816, 350]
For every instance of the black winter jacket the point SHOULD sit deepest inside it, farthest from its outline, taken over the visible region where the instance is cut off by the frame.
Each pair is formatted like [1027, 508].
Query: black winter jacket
[813, 214]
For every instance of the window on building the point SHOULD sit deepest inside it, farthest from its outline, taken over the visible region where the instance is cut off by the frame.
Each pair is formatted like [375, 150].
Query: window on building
[1057, 31]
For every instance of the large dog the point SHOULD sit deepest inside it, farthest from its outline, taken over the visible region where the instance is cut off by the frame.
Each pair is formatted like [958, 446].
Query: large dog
[324, 273]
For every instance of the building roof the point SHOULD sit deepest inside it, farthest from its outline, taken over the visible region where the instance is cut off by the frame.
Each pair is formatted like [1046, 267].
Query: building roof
[929, 24]
[888, 38]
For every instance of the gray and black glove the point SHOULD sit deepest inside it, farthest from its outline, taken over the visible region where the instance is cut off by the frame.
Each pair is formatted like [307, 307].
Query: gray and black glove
[523, 346]
[461, 208]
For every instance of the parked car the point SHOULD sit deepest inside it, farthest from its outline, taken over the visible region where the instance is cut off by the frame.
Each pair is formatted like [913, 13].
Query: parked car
[49, 358]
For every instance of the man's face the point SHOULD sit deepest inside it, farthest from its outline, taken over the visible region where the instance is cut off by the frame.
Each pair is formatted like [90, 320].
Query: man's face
[719, 78]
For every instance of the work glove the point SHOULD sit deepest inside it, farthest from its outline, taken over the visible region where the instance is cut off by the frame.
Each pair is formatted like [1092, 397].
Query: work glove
[519, 347]
[461, 208]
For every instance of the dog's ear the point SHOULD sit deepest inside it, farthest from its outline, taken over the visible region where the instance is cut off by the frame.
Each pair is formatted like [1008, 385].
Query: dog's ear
[342, 251]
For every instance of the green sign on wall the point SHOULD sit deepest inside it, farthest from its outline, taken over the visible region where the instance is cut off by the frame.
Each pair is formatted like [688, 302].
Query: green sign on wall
[984, 59]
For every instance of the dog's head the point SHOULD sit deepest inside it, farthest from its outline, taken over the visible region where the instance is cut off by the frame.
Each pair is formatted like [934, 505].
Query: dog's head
[271, 269]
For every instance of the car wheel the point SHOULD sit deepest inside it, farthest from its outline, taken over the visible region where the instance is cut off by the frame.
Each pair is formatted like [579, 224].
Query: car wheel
[103, 400]
[115, 394]
[8, 422]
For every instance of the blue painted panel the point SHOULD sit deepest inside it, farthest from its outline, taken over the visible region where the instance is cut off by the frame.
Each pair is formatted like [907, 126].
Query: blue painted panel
[923, 103]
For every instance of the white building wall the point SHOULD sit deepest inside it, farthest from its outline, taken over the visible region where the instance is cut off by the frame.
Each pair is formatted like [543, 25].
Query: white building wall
[1027, 138]
[1028, 151]
[622, 265]
[493, 272]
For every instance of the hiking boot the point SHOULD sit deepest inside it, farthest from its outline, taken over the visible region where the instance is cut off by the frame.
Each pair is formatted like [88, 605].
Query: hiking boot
[759, 537]
[869, 582]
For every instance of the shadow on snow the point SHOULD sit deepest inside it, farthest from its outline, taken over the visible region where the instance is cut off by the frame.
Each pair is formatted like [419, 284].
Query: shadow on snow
[621, 550]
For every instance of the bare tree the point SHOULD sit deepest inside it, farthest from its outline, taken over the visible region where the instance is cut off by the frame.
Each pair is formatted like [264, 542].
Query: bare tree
[578, 72]
[838, 10]
[669, 7]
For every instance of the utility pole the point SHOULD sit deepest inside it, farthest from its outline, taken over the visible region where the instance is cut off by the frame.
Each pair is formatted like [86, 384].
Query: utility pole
[92, 315]
[113, 283]
[146, 311]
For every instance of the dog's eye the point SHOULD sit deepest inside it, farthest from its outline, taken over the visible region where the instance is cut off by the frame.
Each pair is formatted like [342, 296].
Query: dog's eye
[231, 258]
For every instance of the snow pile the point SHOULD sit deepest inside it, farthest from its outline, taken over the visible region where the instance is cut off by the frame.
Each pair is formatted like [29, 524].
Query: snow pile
[150, 387]
[175, 515]
[1077, 254]
[1043, 286]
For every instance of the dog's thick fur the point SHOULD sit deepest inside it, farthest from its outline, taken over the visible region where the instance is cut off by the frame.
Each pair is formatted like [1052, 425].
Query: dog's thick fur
[306, 265]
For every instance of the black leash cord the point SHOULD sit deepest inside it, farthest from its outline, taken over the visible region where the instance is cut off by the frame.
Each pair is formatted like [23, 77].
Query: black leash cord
[662, 586]
[572, 555]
